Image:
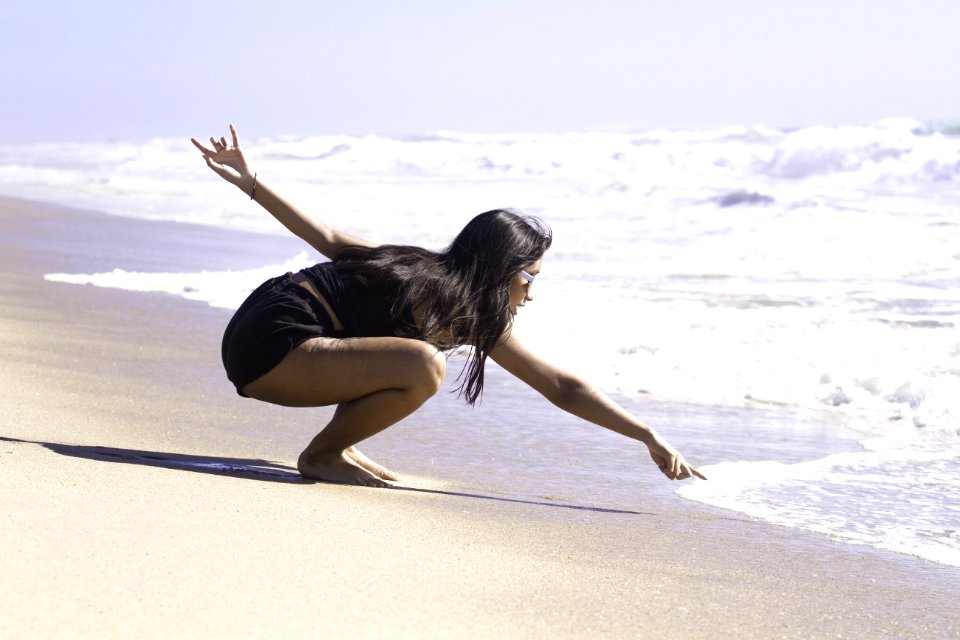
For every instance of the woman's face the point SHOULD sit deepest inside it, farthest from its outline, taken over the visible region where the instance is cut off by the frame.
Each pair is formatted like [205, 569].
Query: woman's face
[520, 287]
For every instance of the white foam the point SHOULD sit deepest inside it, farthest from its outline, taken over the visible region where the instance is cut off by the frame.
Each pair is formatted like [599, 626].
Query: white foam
[225, 289]
[890, 499]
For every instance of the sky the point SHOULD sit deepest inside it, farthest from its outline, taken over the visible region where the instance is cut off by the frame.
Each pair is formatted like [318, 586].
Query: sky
[120, 70]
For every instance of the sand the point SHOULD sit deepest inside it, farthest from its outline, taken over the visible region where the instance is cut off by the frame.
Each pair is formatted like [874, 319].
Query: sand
[140, 497]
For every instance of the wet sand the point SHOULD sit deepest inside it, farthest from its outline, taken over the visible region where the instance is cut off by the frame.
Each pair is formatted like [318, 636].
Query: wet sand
[140, 497]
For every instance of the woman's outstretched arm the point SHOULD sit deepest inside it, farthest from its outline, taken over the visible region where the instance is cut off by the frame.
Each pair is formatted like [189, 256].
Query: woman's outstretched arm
[576, 396]
[228, 162]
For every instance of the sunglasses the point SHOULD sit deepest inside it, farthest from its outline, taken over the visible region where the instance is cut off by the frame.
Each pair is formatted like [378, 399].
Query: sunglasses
[528, 277]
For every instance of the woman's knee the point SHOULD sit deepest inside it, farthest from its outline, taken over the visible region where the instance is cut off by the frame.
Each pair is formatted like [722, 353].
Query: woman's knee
[427, 367]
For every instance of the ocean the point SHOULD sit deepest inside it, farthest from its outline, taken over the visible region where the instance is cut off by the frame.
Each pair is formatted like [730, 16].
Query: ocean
[812, 271]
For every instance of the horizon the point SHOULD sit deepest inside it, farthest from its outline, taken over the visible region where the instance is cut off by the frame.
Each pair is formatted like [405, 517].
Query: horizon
[946, 126]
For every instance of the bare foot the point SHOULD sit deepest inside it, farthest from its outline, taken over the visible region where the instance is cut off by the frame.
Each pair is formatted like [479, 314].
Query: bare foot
[338, 468]
[380, 471]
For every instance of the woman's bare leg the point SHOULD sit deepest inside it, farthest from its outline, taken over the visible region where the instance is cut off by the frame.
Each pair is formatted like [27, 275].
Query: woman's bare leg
[376, 381]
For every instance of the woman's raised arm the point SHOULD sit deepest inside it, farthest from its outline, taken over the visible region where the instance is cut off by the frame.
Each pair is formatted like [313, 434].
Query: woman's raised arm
[228, 162]
[576, 396]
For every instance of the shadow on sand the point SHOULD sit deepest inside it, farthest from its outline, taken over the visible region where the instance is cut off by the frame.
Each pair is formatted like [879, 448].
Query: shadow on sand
[237, 467]
[255, 469]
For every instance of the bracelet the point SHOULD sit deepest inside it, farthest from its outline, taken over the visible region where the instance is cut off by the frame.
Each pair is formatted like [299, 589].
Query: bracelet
[253, 192]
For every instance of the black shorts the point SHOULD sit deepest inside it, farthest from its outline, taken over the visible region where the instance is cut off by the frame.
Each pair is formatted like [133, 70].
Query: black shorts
[274, 320]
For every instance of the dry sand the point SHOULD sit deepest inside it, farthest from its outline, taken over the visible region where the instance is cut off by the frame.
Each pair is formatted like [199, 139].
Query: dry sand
[140, 497]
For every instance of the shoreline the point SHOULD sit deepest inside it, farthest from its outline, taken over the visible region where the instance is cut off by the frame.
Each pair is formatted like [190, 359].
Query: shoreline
[111, 535]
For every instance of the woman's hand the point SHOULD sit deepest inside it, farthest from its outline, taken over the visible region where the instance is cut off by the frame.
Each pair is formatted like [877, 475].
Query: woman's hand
[226, 161]
[670, 462]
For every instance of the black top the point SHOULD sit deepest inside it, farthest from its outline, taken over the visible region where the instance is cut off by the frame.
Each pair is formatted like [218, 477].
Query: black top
[365, 311]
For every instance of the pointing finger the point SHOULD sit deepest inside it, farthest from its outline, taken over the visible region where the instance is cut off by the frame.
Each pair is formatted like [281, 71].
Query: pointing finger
[236, 138]
[698, 474]
[202, 148]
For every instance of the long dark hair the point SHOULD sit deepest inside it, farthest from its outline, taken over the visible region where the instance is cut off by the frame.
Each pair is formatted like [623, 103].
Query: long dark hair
[461, 295]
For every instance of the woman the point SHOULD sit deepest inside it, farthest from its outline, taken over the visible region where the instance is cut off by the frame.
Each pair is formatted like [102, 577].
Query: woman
[367, 330]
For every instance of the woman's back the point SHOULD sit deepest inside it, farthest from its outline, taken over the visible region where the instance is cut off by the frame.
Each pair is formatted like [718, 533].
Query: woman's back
[365, 310]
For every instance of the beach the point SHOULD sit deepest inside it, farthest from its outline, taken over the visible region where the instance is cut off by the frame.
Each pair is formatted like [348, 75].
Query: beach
[141, 497]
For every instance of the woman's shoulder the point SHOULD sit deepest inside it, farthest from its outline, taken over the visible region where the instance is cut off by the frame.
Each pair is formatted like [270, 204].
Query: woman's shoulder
[319, 268]
[324, 275]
